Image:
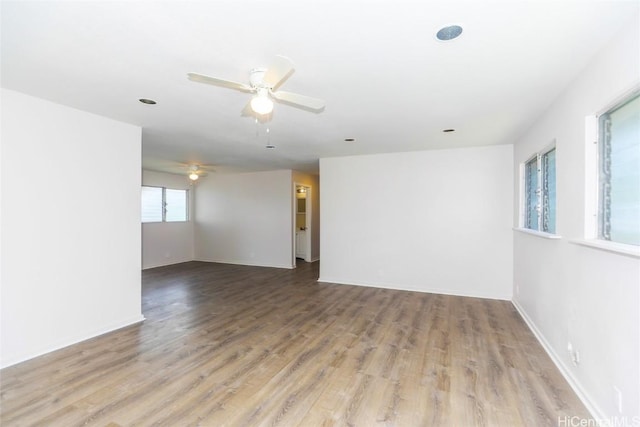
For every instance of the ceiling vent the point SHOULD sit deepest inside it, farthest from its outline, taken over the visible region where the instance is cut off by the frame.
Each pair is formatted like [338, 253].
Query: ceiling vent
[449, 32]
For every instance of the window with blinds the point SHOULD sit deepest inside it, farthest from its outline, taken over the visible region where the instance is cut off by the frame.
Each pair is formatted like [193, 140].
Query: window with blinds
[619, 173]
[161, 204]
[152, 204]
[175, 205]
[540, 192]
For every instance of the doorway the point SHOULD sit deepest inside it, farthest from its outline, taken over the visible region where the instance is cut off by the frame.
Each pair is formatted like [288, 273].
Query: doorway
[302, 223]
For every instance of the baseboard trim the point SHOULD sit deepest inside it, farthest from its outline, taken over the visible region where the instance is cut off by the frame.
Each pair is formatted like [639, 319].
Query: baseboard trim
[593, 409]
[236, 262]
[173, 262]
[410, 289]
[23, 358]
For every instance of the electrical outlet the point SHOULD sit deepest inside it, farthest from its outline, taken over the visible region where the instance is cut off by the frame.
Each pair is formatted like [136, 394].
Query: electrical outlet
[618, 398]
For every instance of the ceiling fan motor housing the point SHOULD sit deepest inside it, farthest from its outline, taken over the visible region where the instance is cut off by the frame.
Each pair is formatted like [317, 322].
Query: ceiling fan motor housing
[256, 77]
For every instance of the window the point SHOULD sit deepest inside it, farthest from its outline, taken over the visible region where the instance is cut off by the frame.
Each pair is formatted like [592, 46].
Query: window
[151, 204]
[161, 204]
[540, 192]
[175, 205]
[619, 173]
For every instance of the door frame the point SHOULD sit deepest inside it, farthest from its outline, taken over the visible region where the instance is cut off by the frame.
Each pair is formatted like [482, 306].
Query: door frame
[308, 221]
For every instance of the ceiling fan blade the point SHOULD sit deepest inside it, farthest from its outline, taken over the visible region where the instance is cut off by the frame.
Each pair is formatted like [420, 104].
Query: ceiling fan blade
[278, 72]
[308, 103]
[200, 78]
[196, 167]
[247, 111]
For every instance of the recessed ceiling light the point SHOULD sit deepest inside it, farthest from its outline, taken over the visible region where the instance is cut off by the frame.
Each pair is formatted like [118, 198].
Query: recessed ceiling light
[448, 130]
[349, 139]
[449, 32]
[147, 101]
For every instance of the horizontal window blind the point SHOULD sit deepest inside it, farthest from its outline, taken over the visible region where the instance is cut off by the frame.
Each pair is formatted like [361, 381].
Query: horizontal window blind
[175, 205]
[151, 204]
[161, 204]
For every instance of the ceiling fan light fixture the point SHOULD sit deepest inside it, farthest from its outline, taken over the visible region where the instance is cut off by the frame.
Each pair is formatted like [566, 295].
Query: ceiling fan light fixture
[193, 176]
[261, 104]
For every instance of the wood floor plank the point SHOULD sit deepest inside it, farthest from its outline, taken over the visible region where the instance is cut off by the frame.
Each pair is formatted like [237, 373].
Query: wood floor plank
[228, 345]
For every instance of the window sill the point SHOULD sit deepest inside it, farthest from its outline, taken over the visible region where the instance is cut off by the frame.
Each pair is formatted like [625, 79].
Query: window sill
[619, 248]
[538, 233]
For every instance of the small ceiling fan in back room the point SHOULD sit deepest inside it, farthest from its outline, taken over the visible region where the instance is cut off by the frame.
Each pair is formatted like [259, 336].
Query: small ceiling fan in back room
[264, 84]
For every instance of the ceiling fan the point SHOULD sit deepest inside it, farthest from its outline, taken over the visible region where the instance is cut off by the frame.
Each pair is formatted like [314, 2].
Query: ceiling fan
[195, 170]
[264, 83]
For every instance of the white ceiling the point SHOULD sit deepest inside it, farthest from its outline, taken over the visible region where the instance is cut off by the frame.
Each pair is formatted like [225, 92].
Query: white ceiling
[386, 80]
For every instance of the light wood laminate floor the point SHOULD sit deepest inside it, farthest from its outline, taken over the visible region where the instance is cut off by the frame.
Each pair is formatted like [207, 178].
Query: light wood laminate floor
[227, 345]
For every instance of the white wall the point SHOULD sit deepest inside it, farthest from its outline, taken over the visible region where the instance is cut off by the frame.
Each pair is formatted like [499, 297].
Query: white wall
[432, 221]
[165, 243]
[572, 293]
[70, 226]
[245, 219]
[312, 181]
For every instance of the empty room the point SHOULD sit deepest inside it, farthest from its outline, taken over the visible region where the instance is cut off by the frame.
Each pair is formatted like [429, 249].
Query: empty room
[252, 213]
